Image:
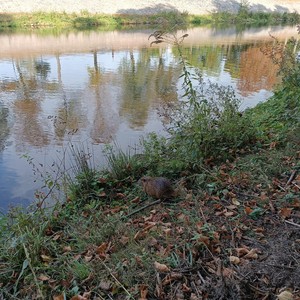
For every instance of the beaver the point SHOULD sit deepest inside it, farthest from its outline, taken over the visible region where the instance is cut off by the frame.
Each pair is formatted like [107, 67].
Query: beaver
[158, 187]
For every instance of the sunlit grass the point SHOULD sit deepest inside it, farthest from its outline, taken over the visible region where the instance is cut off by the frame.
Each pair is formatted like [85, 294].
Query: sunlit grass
[83, 20]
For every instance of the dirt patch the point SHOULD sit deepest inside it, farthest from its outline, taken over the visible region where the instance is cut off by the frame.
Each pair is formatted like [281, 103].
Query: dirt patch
[276, 270]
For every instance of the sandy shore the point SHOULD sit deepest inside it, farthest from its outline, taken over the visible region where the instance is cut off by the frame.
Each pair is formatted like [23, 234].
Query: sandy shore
[143, 6]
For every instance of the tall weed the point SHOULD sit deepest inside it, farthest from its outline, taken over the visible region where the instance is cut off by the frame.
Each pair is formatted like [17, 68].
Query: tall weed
[206, 123]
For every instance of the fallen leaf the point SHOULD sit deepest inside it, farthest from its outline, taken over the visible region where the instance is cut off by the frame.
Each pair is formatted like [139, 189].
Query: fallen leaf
[194, 297]
[143, 291]
[85, 214]
[88, 258]
[228, 272]
[78, 297]
[171, 277]
[56, 237]
[152, 242]
[229, 214]
[204, 239]
[183, 217]
[46, 258]
[231, 207]
[263, 196]
[105, 285]
[139, 235]
[235, 201]
[217, 206]
[234, 259]
[49, 231]
[273, 145]
[189, 197]
[179, 230]
[241, 251]
[43, 277]
[87, 295]
[252, 254]
[102, 180]
[101, 250]
[139, 261]
[120, 195]
[248, 210]
[59, 297]
[112, 210]
[259, 229]
[136, 200]
[219, 213]
[67, 249]
[161, 267]
[77, 257]
[285, 295]
[149, 226]
[285, 212]
[185, 288]
[167, 231]
[124, 240]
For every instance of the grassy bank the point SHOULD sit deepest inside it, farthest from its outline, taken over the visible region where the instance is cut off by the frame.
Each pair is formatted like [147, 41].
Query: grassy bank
[87, 20]
[231, 232]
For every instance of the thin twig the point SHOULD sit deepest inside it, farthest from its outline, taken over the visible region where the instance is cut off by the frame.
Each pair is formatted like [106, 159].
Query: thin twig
[258, 290]
[291, 177]
[282, 267]
[201, 212]
[283, 189]
[292, 223]
[296, 185]
[195, 289]
[201, 277]
[116, 280]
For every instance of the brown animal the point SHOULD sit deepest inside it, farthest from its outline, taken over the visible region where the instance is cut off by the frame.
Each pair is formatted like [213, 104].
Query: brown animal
[157, 187]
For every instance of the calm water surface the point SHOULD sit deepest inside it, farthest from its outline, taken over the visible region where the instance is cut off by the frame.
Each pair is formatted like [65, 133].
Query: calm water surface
[88, 89]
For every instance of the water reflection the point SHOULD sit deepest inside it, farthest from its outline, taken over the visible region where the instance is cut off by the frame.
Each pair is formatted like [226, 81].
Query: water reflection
[246, 65]
[108, 88]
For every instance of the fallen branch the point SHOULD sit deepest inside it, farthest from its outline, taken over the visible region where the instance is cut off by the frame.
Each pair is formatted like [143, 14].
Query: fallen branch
[142, 208]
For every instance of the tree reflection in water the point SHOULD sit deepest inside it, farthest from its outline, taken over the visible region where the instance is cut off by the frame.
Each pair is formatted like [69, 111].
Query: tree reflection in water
[76, 89]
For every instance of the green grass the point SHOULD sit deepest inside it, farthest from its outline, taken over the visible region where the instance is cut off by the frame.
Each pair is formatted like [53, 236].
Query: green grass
[84, 20]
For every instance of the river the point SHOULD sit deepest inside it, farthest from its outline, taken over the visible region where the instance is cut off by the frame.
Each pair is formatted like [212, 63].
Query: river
[90, 88]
